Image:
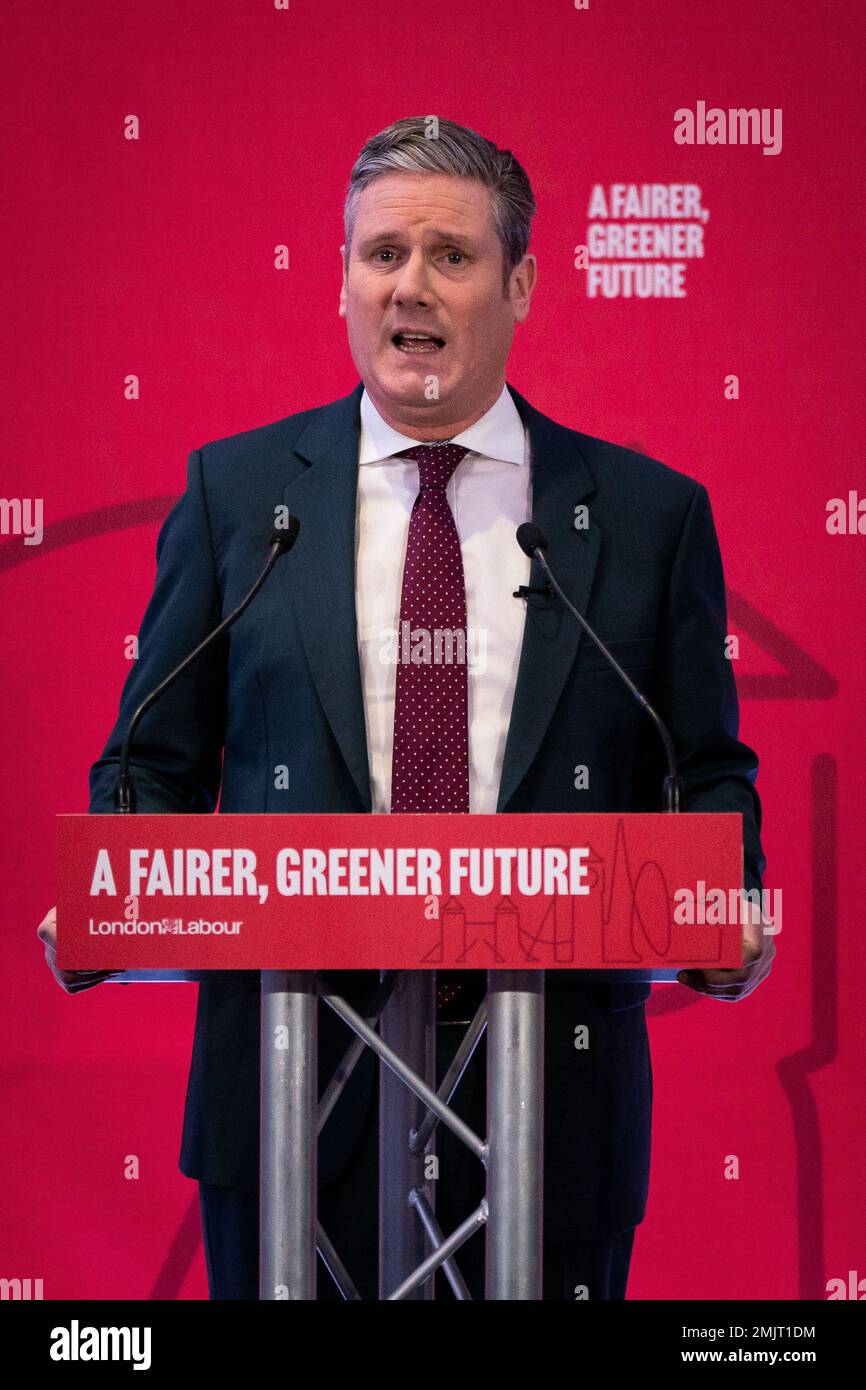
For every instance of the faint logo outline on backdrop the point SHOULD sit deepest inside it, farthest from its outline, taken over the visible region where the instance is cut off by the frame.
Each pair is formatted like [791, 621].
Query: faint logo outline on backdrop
[802, 678]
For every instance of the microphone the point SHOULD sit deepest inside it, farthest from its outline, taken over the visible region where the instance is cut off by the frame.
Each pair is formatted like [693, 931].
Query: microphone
[532, 542]
[280, 543]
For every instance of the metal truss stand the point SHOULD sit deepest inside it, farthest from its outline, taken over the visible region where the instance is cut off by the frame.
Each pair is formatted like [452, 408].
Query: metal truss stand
[411, 1244]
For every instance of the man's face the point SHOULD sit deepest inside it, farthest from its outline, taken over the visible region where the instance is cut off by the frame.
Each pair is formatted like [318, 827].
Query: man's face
[426, 259]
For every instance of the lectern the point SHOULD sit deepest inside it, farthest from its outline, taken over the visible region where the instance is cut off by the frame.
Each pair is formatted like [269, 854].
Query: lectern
[620, 897]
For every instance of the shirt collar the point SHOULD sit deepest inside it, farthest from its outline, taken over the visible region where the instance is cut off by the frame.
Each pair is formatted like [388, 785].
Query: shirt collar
[499, 434]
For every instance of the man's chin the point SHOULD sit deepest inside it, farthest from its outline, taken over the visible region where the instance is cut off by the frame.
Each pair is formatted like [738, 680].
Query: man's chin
[416, 389]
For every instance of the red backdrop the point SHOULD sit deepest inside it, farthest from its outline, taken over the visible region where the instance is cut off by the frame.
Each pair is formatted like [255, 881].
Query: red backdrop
[155, 257]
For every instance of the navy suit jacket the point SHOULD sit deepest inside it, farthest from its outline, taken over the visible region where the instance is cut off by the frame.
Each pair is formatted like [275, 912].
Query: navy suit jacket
[284, 688]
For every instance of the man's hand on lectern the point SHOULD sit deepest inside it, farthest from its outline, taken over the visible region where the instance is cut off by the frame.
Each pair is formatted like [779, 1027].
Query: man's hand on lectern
[759, 949]
[72, 981]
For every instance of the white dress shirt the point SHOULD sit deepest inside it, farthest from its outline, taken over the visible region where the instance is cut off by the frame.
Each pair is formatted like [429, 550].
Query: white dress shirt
[490, 495]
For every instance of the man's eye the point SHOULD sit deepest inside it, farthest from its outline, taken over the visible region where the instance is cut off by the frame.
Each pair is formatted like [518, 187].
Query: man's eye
[456, 253]
[384, 252]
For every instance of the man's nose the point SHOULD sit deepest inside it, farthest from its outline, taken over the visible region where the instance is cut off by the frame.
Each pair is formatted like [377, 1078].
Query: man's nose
[413, 284]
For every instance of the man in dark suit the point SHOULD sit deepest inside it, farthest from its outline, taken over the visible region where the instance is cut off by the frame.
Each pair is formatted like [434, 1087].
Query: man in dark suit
[408, 492]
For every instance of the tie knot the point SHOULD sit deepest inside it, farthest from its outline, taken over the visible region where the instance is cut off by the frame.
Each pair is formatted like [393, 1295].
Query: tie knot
[436, 462]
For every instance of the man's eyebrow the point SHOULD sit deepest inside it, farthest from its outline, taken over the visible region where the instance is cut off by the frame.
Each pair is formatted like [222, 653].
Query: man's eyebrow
[441, 234]
[379, 236]
[435, 234]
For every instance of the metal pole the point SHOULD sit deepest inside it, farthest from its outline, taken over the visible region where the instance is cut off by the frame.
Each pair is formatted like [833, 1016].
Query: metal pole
[451, 1079]
[515, 1127]
[287, 1168]
[408, 1022]
[437, 1239]
[415, 1083]
[442, 1253]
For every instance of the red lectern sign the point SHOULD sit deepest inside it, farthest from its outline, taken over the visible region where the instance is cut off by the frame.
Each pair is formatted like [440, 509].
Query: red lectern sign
[331, 892]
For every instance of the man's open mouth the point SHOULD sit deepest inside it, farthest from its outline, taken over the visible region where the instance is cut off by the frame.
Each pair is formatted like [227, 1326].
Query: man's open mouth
[417, 342]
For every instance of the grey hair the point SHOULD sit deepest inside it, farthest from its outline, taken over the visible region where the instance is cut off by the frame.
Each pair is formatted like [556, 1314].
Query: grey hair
[431, 144]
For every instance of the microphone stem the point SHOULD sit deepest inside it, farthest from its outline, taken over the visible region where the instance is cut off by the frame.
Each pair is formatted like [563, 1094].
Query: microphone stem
[673, 791]
[123, 799]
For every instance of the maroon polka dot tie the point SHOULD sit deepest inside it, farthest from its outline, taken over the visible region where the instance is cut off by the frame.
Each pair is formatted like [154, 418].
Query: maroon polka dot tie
[430, 769]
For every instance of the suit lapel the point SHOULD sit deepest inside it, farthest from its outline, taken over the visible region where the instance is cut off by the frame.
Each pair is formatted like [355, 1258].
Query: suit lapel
[320, 583]
[560, 480]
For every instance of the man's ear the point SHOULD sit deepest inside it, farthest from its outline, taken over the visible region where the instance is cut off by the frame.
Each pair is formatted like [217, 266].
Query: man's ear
[344, 288]
[522, 284]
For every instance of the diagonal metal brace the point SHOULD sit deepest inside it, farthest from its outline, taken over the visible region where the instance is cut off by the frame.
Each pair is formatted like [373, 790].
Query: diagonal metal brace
[420, 1088]
[473, 1223]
